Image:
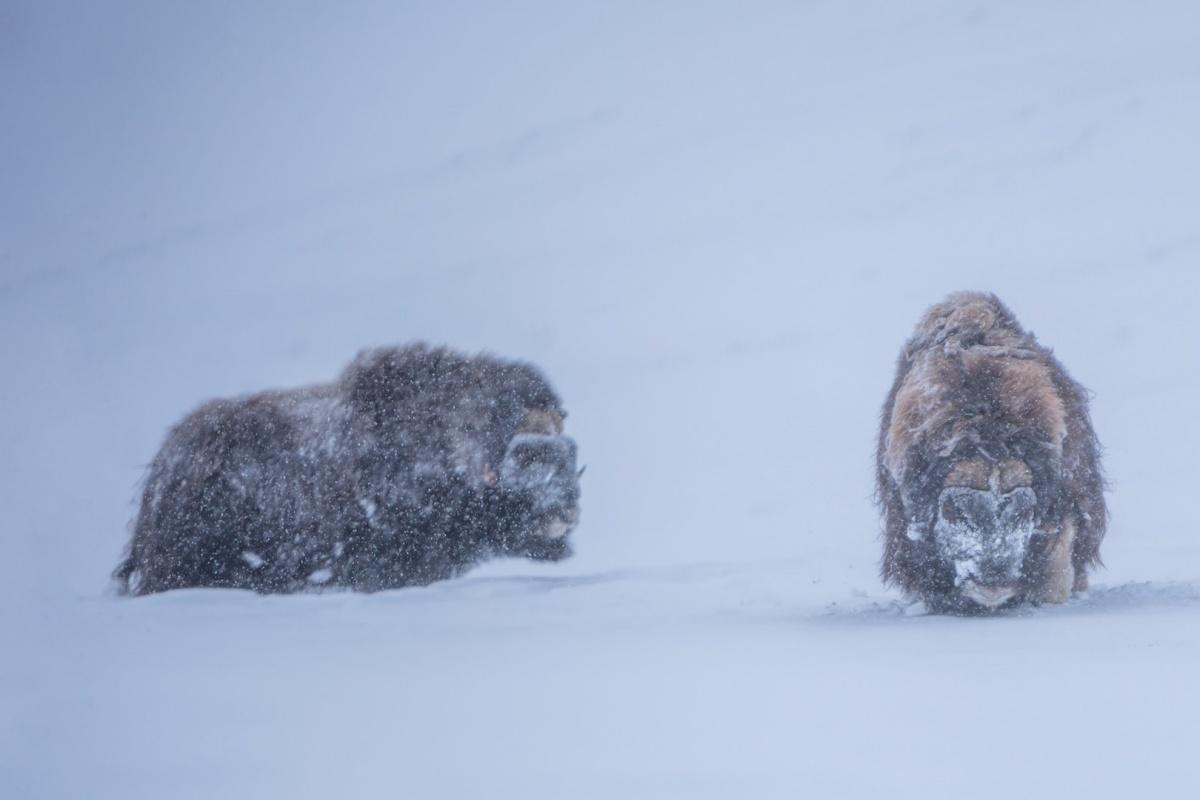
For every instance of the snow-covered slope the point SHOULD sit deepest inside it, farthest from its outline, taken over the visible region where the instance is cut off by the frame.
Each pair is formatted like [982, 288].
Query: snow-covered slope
[713, 227]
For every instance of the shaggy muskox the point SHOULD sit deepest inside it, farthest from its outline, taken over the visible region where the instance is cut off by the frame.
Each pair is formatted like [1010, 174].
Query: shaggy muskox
[415, 464]
[988, 472]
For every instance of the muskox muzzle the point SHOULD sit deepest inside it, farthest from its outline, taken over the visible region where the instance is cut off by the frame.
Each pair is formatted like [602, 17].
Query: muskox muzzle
[985, 535]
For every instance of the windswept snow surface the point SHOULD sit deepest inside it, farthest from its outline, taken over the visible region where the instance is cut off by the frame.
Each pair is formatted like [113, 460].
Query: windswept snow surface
[713, 227]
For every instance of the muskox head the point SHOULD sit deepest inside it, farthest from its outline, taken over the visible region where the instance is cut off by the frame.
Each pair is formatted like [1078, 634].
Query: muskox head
[539, 472]
[492, 427]
[983, 523]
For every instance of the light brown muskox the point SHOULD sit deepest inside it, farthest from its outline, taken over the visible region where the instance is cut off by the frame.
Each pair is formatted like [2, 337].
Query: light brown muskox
[988, 471]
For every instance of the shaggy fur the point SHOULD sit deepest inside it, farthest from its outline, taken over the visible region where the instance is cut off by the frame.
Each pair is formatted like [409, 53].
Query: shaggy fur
[415, 464]
[977, 402]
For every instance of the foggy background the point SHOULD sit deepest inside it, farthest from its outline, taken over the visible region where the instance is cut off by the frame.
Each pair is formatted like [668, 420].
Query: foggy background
[713, 226]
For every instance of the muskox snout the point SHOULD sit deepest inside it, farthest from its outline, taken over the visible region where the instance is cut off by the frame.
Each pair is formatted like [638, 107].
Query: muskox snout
[985, 535]
[543, 468]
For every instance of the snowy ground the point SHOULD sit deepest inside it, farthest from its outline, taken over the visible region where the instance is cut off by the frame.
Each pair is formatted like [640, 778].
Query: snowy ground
[713, 228]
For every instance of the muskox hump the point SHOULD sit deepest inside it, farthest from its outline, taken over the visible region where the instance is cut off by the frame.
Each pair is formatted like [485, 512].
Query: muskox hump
[988, 472]
[399, 473]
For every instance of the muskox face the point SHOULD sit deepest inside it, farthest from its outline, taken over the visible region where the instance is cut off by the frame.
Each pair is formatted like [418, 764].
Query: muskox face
[539, 468]
[984, 531]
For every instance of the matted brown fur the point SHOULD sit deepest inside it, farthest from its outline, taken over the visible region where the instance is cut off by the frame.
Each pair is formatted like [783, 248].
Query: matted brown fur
[417, 463]
[976, 399]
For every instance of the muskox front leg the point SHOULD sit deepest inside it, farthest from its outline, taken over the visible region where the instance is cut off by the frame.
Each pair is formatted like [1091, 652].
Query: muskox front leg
[1057, 576]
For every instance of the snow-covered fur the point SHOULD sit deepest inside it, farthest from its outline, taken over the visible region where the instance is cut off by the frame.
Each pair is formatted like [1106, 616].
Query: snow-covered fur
[984, 422]
[415, 464]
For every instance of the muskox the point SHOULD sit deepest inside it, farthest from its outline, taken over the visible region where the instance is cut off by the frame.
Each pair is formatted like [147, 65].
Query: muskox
[417, 463]
[988, 470]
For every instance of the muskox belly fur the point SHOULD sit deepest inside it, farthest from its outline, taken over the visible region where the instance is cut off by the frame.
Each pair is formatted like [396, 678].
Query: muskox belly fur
[988, 472]
[417, 463]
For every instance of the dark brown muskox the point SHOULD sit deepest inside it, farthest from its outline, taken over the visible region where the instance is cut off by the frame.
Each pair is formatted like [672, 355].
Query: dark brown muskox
[415, 464]
[988, 472]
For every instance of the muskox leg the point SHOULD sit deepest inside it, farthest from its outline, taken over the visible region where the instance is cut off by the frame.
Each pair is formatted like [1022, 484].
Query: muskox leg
[1081, 578]
[1059, 577]
[191, 536]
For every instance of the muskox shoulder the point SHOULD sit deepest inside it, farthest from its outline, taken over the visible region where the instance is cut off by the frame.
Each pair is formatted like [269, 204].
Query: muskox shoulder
[458, 410]
[381, 380]
[968, 364]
